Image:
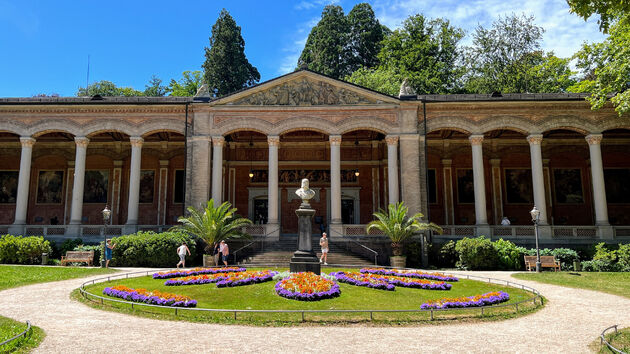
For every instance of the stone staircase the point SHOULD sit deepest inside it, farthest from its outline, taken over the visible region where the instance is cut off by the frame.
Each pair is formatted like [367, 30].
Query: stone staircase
[282, 251]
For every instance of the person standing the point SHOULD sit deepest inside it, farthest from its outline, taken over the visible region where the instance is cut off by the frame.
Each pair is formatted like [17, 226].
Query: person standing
[109, 247]
[323, 243]
[505, 221]
[225, 252]
[181, 252]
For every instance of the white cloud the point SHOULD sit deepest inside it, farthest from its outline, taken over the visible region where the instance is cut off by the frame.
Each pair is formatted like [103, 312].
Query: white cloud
[293, 51]
[308, 5]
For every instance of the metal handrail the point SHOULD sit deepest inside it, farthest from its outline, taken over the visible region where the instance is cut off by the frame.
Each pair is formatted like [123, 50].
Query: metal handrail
[261, 239]
[533, 300]
[603, 340]
[365, 247]
[23, 334]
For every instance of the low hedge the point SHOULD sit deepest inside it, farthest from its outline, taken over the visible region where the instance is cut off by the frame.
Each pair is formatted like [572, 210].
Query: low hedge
[23, 250]
[477, 254]
[150, 249]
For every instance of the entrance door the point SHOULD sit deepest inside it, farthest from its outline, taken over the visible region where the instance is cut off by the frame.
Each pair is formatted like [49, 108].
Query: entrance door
[260, 211]
[347, 211]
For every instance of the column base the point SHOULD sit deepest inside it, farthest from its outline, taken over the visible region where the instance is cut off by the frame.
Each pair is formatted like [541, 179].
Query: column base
[272, 232]
[129, 229]
[305, 262]
[17, 229]
[605, 232]
[73, 230]
[544, 232]
[483, 230]
[335, 230]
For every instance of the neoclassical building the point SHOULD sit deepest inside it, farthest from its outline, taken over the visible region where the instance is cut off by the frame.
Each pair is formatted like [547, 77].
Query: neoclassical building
[464, 161]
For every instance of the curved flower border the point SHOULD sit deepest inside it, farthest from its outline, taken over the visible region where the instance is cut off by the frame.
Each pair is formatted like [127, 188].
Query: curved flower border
[195, 271]
[367, 281]
[333, 291]
[408, 282]
[154, 297]
[410, 274]
[490, 298]
[225, 279]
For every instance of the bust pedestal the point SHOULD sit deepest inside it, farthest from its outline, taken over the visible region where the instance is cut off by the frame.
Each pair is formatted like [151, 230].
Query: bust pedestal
[304, 259]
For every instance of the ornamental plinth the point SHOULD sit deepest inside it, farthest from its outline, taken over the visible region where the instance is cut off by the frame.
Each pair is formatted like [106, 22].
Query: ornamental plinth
[304, 259]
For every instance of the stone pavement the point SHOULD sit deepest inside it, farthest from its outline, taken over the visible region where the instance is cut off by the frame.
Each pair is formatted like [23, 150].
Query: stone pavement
[570, 321]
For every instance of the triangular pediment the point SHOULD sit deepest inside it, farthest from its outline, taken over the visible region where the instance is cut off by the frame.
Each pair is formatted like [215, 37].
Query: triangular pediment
[305, 88]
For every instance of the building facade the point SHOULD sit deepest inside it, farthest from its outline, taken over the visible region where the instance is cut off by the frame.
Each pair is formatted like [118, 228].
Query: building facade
[464, 161]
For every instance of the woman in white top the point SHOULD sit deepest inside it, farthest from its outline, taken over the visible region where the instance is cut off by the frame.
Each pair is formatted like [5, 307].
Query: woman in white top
[181, 252]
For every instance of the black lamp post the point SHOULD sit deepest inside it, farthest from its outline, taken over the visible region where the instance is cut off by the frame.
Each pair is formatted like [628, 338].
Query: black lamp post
[106, 215]
[535, 213]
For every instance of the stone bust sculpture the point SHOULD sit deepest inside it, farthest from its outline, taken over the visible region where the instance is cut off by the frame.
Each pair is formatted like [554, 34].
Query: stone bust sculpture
[305, 193]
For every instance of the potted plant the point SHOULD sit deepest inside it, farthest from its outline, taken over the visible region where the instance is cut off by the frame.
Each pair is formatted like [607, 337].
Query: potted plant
[213, 224]
[398, 227]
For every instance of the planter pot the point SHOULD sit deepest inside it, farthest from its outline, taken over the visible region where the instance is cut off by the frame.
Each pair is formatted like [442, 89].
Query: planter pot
[398, 261]
[208, 260]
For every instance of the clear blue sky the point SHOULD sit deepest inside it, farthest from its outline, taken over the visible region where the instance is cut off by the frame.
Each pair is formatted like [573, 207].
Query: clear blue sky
[44, 45]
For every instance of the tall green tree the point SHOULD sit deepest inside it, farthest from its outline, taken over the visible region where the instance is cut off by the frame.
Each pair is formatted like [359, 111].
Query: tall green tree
[155, 88]
[226, 68]
[366, 34]
[107, 88]
[188, 85]
[425, 52]
[609, 11]
[213, 223]
[326, 48]
[383, 79]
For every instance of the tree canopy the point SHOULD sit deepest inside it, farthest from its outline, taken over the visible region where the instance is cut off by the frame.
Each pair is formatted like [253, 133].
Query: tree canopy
[608, 10]
[155, 88]
[366, 34]
[188, 85]
[107, 88]
[226, 68]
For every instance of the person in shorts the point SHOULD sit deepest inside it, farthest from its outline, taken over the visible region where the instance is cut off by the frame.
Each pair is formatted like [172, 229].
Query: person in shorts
[181, 252]
[109, 247]
[323, 243]
[225, 252]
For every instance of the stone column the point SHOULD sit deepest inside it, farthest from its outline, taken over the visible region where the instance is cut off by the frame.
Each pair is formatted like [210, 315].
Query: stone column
[392, 168]
[497, 198]
[272, 184]
[134, 184]
[76, 211]
[410, 172]
[24, 178]
[597, 175]
[481, 217]
[217, 169]
[538, 179]
[199, 169]
[162, 192]
[335, 180]
[449, 212]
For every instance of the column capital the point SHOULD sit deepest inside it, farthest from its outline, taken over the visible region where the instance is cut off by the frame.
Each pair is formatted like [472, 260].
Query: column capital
[476, 139]
[594, 139]
[199, 138]
[164, 163]
[218, 141]
[136, 141]
[391, 139]
[273, 140]
[495, 162]
[27, 141]
[118, 163]
[534, 139]
[447, 162]
[81, 141]
[335, 139]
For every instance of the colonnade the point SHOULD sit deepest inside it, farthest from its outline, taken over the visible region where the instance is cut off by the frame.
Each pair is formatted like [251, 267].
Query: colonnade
[76, 209]
[535, 142]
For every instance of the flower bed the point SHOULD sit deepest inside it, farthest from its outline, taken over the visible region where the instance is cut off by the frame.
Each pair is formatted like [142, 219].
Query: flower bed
[307, 286]
[367, 280]
[225, 279]
[410, 274]
[154, 297]
[490, 298]
[376, 281]
[195, 271]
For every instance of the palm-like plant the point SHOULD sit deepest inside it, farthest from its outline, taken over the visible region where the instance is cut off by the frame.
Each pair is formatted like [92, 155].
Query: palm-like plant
[213, 224]
[395, 224]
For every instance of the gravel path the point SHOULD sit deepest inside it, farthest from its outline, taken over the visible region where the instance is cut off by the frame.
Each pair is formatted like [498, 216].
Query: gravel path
[570, 321]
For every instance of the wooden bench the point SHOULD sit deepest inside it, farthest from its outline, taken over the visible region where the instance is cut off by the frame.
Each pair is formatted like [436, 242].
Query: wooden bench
[78, 257]
[545, 262]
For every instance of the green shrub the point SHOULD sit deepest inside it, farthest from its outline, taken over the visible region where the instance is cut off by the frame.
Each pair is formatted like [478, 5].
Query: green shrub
[598, 266]
[623, 257]
[566, 257]
[606, 258]
[510, 256]
[476, 253]
[23, 250]
[97, 252]
[150, 249]
[413, 251]
[69, 245]
[444, 255]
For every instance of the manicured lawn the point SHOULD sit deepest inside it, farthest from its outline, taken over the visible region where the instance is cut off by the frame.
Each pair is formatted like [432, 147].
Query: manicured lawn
[619, 340]
[14, 275]
[10, 328]
[263, 297]
[608, 282]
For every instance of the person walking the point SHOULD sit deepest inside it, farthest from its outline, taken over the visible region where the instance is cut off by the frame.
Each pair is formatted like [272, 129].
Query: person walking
[181, 252]
[109, 247]
[225, 252]
[323, 243]
[216, 253]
